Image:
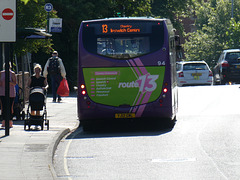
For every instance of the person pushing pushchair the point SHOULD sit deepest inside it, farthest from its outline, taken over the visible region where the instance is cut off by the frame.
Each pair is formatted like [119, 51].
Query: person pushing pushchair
[37, 81]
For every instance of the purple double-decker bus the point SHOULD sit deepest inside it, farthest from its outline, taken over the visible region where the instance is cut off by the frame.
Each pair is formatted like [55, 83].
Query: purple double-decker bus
[127, 70]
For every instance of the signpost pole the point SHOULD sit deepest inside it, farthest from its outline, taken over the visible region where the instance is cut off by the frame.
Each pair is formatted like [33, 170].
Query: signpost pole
[47, 22]
[48, 7]
[7, 97]
[7, 36]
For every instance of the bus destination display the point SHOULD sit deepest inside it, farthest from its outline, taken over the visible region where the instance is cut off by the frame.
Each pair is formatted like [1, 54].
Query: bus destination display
[123, 28]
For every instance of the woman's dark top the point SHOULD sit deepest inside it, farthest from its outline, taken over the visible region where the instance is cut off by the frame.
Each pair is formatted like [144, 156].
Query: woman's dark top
[37, 82]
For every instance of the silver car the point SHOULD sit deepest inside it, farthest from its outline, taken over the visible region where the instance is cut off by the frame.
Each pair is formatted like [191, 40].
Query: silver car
[194, 73]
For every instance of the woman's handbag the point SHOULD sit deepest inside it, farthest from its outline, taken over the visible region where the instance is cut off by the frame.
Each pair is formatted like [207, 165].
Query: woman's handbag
[63, 89]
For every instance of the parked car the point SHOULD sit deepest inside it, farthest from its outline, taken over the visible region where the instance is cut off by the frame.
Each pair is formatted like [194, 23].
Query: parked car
[194, 73]
[227, 69]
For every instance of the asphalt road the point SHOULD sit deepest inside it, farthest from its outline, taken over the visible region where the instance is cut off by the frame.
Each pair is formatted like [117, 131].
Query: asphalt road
[204, 143]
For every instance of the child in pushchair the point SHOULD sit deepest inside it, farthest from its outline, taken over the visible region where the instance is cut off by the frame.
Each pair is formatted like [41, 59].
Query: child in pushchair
[37, 100]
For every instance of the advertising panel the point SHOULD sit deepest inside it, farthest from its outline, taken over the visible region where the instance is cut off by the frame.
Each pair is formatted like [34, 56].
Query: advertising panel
[123, 85]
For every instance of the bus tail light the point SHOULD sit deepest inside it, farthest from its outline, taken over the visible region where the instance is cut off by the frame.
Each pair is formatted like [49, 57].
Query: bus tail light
[88, 104]
[82, 86]
[165, 90]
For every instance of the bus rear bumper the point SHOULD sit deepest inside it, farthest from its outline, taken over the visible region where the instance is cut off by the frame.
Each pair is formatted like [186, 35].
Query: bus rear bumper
[110, 114]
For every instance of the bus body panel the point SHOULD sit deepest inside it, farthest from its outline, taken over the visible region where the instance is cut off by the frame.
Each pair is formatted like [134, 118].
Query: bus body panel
[141, 87]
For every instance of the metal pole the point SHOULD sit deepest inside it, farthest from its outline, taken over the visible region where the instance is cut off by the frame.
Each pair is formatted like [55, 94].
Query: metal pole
[47, 22]
[232, 8]
[1, 56]
[23, 79]
[7, 98]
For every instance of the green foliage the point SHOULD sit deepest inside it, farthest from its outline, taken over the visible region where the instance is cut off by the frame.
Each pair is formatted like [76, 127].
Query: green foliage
[216, 31]
[172, 9]
[26, 1]
[31, 14]
[233, 34]
[129, 8]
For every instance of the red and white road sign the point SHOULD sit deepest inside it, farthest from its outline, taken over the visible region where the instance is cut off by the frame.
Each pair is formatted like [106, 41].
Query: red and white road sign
[8, 21]
[7, 14]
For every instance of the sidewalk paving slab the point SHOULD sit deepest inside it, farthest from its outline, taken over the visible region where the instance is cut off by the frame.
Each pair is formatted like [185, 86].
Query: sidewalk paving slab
[28, 155]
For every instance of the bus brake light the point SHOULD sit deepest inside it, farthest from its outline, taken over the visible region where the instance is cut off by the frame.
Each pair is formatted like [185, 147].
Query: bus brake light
[82, 86]
[83, 92]
[165, 90]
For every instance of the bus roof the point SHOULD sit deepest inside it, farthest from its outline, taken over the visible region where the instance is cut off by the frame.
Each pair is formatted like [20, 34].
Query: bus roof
[126, 18]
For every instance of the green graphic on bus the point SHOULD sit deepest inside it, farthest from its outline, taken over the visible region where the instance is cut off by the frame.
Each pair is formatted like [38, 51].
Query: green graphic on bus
[124, 86]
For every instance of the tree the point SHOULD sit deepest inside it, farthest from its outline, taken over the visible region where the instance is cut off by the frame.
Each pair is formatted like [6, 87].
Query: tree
[31, 14]
[172, 9]
[128, 8]
[216, 31]
[233, 35]
[26, 1]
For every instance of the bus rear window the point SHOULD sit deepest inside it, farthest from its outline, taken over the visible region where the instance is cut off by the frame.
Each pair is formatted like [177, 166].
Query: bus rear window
[123, 45]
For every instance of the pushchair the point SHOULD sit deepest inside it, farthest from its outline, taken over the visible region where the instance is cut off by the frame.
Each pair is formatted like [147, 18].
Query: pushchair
[18, 107]
[37, 102]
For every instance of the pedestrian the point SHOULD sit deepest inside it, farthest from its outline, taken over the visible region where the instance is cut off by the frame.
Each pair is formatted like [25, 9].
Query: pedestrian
[56, 70]
[37, 80]
[12, 94]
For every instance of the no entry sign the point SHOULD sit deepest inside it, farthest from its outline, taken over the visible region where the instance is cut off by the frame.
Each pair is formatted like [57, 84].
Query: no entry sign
[7, 20]
[7, 14]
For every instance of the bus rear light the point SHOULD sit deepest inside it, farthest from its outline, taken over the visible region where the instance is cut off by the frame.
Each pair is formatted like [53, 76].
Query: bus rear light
[161, 101]
[88, 102]
[180, 74]
[83, 92]
[165, 90]
[82, 86]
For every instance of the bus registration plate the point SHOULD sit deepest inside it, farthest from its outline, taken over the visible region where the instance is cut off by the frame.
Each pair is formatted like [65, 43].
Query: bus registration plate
[125, 115]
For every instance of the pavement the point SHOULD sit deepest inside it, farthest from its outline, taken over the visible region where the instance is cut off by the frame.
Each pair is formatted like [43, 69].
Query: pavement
[28, 155]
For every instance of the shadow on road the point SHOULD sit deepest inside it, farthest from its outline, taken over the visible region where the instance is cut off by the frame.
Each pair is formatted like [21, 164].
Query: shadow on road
[123, 129]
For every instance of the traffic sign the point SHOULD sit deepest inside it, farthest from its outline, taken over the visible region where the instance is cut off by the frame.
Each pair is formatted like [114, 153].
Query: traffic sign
[48, 7]
[8, 20]
[55, 25]
[7, 14]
